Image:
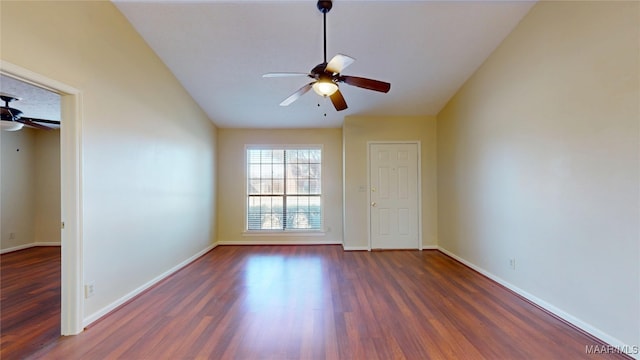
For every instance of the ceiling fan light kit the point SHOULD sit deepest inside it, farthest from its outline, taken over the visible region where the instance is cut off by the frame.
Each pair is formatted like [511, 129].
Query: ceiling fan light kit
[327, 74]
[325, 87]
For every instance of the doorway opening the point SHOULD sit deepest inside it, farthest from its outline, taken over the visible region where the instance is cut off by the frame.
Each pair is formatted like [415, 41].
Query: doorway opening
[70, 193]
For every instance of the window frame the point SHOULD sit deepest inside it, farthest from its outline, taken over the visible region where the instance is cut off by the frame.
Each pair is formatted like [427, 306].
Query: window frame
[282, 232]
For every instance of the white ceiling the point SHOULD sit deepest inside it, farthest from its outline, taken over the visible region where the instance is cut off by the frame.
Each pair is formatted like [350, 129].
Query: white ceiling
[219, 50]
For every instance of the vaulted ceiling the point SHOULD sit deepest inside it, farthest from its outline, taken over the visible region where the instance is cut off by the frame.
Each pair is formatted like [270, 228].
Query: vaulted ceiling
[219, 50]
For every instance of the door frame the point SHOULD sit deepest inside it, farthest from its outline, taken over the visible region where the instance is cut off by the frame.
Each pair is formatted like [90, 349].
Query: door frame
[72, 300]
[369, 144]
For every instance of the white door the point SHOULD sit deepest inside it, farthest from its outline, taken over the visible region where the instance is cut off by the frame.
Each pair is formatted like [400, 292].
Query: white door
[394, 196]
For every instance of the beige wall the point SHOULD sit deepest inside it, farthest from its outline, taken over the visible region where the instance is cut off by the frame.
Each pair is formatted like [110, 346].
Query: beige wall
[232, 183]
[47, 187]
[357, 131]
[30, 188]
[538, 158]
[148, 151]
[17, 184]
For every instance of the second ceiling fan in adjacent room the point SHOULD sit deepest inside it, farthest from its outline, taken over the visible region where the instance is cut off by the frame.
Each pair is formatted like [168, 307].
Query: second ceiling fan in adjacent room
[13, 120]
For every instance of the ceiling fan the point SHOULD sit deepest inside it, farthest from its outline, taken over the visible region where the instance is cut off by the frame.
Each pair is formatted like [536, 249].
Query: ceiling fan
[327, 75]
[12, 119]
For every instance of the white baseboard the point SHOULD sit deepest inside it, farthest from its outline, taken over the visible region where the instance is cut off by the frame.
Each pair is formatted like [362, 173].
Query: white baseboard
[26, 246]
[545, 305]
[47, 244]
[107, 309]
[355, 248]
[16, 248]
[366, 248]
[278, 242]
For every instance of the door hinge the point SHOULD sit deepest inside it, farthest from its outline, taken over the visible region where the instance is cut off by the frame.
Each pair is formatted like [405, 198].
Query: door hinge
[62, 225]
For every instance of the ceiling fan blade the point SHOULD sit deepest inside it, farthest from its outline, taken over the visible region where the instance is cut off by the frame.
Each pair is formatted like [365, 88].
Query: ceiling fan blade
[339, 63]
[33, 124]
[365, 83]
[303, 90]
[44, 121]
[338, 100]
[283, 74]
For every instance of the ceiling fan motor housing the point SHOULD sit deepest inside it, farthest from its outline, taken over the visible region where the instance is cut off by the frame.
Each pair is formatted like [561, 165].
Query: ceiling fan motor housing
[10, 114]
[318, 70]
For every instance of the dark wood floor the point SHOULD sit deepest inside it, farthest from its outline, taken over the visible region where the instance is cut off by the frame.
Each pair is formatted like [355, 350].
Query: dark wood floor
[29, 301]
[319, 302]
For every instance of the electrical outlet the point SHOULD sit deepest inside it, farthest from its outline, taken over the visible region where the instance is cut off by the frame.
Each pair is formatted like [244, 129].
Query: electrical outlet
[12, 236]
[89, 289]
[512, 264]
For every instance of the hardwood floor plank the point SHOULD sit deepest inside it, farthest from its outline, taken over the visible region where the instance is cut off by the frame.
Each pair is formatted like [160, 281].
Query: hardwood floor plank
[301, 302]
[29, 300]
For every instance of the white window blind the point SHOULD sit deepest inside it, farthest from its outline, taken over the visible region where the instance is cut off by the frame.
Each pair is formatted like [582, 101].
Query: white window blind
[284, 189]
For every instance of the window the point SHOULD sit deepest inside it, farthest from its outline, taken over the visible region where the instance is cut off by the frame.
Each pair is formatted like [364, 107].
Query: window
[283, 189]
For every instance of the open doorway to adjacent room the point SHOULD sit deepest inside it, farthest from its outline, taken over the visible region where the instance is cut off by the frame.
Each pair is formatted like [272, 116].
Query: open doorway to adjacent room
[30, 240]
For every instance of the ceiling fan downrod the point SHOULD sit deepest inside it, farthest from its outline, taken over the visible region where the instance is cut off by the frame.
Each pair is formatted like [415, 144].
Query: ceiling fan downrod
[325, 6]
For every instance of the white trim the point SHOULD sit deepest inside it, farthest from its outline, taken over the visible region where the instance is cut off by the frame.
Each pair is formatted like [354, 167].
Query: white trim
[27, 246]
[356, 248]
[368, 189]
[543, 304]
[278, 242]
[419, 185]
[47, 244]
[281, 233]
[291, 146]
[35, 79]
[343, 218]
[114, 305]
[17, 248]
[70, 193]
[429, 247]
[246, 184]
[419, 164]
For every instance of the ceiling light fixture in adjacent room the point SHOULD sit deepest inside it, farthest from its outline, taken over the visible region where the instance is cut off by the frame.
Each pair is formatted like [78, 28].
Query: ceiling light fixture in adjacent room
[10, 125]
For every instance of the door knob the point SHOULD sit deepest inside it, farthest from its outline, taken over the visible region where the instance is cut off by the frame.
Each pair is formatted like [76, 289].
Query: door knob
[374, 204]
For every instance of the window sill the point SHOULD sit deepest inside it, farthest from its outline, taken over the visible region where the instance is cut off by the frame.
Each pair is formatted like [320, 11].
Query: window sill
[283, 233]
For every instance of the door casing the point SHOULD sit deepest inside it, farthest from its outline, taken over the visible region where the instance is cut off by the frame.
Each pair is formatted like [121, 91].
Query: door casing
[72, 307]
